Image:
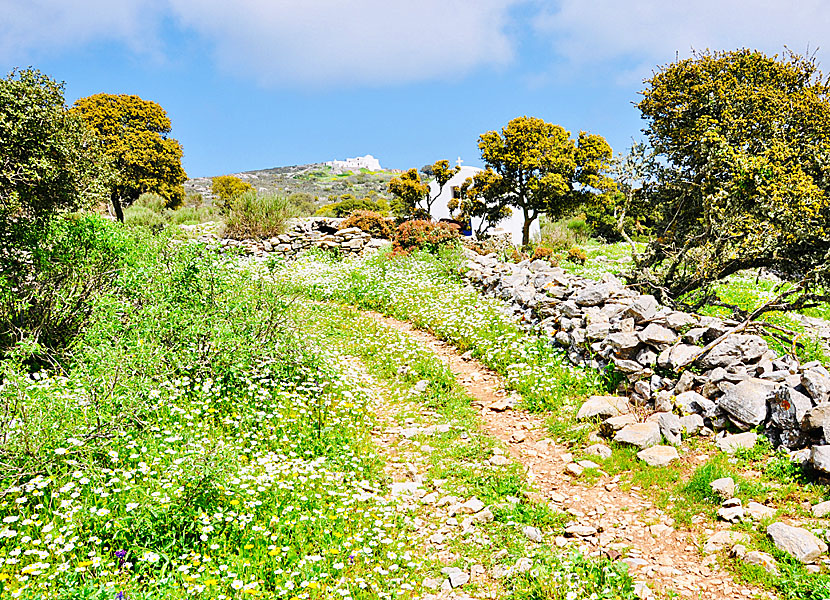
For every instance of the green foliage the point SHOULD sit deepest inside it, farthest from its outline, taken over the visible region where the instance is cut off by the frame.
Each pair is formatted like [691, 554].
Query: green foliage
[48, 301]
[441, 172]
[481, 197]
[543, 169]
[424, 235]
[252, 216]
[304, 203]
[50, 162]
[371, 222]
[135, 136]
[227, 188]
[347, 204]
[409, 190]
[744, 140]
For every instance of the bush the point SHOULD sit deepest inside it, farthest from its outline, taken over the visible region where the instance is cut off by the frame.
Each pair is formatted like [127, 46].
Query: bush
[576, 255]
[142, 216]
[348, 204]
[542, 253]
[152, 201]
[557, 236]
[426, 235]
[227, 188]
[370, 222]
[304, 204]
[578, 227]
[192, 214]
[49, 300]
[252, 216]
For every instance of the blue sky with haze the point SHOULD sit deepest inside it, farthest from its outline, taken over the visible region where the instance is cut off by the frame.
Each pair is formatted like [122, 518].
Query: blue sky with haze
[252, 84]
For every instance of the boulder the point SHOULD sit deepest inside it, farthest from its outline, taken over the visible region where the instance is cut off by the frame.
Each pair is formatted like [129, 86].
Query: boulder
[603, 407]
[691, 402]
[658, 456]
[822, 509]
[623, 343]
[796, 541]
[677, 356]
[691, 424]
[593, 295]
[643, 308]
[746, 402]
[641, 435]
[758, 511]
[612, 425]
[761, 559]
[723, 487]
[670, 427]
[817, 417]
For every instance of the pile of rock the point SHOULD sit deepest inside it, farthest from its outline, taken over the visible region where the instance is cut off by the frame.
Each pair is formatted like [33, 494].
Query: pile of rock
[302, 234]
[603, 323]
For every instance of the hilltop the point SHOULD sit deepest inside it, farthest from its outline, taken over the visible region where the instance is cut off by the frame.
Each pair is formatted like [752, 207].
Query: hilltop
[317, 179]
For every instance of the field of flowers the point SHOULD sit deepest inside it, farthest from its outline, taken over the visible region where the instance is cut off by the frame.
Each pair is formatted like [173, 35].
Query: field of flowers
[210, 435]
[427, 291]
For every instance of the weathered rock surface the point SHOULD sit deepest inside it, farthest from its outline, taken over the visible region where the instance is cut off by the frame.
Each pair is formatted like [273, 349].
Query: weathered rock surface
[603, 407]
[641, 435]
[658, 456]
[797, 541]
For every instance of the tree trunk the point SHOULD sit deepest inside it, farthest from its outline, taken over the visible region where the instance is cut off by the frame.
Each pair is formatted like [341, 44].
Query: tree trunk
[116, 205]
[526, 228]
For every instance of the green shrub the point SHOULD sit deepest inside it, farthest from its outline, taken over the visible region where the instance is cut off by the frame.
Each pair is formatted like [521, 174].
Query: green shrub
[348, 204]
[542, 253]
[142, 216]
[304, 204]
[151, 201]
[252, 216]
[579, 227]
[370, 222]
[426, 235]
[557, 236]
[188, 215]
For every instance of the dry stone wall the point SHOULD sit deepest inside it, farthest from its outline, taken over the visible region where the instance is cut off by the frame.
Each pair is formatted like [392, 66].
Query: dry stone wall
[741, 383]
[302, 234]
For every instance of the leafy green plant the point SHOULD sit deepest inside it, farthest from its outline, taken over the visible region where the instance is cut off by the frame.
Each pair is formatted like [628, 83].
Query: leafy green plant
[252, 216]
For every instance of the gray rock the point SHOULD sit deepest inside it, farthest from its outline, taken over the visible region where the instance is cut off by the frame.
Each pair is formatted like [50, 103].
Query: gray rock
[657, 335]
[821, 509]
[679, 320]
[612, 425]
[731, 443]
[624, 343]
[738, 347]
[670, 427]
[641, 435]
[456, 576]
[597, 331]
[600, 450]
[658, 456]
[570, 309]
[796, 541]
[817, 385]
[691, 424]
[723, 487]
[691, 402]
[630, 366]
[820, 458]
[817, 417]
[788, 408]
[746, 402]
[603, 407]
[532, 533]
[647, 357]
[677, 356]
[593, 295]
[731, 514]
[642, 309]
[761, 559]
[758, 511]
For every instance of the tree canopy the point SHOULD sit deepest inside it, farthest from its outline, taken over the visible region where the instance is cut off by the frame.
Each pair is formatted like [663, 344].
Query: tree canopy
[744, 146]
[543, 169]
[442, 173]
[410, 191]
[49, 160]
[134, 132]
[228, 187]
[481, 197]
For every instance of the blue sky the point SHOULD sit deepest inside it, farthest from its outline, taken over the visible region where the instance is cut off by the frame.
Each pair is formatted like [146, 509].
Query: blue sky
[253, 84]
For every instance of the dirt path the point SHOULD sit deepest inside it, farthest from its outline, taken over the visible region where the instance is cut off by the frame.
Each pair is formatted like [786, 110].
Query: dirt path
[613, 521]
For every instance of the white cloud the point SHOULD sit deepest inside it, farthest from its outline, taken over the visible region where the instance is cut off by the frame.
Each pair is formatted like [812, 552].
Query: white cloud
[281, 42]
[647, 33]
[31, 27]
[336, 42]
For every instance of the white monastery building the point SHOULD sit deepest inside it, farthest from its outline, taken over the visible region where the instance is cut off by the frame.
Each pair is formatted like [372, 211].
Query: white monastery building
[511, 226]
[367, 162]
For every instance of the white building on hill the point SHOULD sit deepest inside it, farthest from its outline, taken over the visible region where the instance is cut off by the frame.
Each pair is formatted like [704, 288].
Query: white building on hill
[367, 162]
[512, 225]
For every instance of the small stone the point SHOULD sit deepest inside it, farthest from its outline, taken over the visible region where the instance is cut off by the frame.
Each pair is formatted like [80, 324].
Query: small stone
[523, 565]
[658, 456]
[499, 460]
[612, 425]
[723, 487]
[758, 511]
[762, 559]
[532, 533]
[731, 514]
[574, 469]
[471, 506]
[501, 405]
[721, 539]
[588, 464]
[657, 335]
[421, 386]
[456, 576]
[603, 407]
[691, 424]
[600, 450]
[797, 541]
[580, 531]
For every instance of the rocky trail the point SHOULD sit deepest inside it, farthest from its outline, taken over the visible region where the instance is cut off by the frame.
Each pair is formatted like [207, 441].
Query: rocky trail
[607, 519]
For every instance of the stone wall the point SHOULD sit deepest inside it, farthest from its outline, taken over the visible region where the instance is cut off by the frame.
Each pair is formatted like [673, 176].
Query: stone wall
[740, 384]
[302, 234]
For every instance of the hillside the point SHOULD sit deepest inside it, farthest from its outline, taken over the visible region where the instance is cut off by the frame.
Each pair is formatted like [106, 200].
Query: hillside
[317, 179]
